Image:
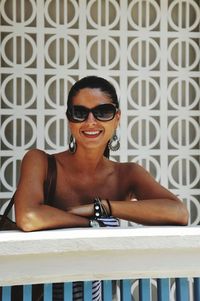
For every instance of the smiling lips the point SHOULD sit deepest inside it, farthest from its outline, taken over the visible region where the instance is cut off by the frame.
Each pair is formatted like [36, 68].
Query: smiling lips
[91, 134]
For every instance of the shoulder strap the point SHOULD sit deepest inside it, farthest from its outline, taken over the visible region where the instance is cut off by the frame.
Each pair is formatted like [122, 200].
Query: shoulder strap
[49, 188]
[50, 183]
[6, 212]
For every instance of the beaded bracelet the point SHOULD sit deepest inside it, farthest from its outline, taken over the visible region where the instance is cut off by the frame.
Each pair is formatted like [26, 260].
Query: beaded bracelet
[100, 210]
[97, 207]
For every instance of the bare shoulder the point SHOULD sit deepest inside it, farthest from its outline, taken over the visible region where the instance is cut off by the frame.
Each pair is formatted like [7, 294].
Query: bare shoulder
[132, 170]
[137, 177]
[142, 183]
[38, 159]
[35, 154]
[35, 157]
[34, 161]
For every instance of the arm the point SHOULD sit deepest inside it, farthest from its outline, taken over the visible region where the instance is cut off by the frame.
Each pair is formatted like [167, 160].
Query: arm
[163, 211]
[153, 205]
[31, 212]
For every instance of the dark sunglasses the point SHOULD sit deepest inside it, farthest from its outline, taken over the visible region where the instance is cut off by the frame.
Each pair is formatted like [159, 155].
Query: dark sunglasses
[104, 112]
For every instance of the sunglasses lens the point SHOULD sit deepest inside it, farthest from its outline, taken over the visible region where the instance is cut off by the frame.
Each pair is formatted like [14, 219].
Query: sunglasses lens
[77, 113]
[80, 113]
[105, 112]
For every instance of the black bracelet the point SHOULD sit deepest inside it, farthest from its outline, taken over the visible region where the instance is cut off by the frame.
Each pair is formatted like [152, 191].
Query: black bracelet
[97, 208]
[109, 206]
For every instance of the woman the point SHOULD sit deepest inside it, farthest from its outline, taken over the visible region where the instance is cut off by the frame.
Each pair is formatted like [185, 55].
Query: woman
[84, 172]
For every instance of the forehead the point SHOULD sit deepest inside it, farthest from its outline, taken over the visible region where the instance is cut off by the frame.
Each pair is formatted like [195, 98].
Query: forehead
[91, 97]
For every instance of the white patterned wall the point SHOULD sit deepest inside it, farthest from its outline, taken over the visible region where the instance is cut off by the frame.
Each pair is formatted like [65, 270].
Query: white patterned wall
[149, 50]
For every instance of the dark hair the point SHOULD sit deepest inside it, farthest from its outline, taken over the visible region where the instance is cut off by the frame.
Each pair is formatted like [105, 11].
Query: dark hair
[94, 82]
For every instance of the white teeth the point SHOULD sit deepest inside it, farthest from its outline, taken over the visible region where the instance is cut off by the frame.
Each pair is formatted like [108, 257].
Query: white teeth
[92, 133]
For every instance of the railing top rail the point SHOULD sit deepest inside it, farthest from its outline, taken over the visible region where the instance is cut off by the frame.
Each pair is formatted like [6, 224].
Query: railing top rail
[88, 254]
[87, 239]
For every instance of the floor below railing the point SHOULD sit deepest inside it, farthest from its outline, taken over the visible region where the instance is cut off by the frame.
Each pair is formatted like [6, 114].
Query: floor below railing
[163, 289]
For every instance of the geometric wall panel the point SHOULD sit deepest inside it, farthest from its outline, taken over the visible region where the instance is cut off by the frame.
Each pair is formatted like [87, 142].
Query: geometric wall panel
[148, 49]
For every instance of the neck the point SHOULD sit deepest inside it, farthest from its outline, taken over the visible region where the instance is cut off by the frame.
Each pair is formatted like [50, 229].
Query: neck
[88, 160]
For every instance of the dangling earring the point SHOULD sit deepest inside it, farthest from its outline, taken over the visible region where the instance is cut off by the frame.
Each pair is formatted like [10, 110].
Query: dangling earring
[72, 145]
[114, 143]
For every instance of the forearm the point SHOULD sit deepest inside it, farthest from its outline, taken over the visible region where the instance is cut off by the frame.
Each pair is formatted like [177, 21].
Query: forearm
[146, 212]
[151, 212]
[47, 217]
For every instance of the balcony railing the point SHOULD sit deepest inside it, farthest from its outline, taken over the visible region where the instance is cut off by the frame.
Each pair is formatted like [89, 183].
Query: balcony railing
[138, 258]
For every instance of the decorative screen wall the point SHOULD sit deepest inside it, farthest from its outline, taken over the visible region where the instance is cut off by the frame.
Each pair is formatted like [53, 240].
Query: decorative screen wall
[148, 49]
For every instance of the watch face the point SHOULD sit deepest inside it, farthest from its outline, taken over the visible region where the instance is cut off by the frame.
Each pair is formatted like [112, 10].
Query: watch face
[94, 223]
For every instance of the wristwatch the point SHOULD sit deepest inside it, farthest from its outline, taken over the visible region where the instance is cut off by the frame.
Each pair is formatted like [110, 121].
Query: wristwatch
[94, 223]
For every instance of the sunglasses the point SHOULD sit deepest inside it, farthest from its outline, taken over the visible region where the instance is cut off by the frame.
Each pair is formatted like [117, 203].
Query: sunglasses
[104, 112]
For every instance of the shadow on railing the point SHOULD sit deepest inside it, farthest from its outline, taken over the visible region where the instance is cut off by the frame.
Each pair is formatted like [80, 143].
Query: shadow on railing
[140, 264]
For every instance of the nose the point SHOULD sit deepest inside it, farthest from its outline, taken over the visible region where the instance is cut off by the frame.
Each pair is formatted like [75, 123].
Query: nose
[91, 118]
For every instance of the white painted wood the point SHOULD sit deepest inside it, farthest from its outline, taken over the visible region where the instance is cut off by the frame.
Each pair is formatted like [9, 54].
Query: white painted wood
[86, 254]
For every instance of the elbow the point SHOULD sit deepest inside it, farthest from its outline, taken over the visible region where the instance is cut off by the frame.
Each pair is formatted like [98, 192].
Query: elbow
[183, 218]
[26, 222]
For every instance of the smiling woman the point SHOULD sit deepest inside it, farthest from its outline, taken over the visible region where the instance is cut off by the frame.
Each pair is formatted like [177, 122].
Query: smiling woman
[88, 189]
[84, 172]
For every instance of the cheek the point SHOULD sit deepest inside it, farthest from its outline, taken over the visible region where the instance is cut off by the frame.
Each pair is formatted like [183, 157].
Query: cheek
[73, 127]
[110, 130]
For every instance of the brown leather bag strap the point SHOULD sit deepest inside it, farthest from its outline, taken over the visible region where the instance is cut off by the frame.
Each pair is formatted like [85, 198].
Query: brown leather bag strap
[6, 212]
[50, 183]
[49, 188]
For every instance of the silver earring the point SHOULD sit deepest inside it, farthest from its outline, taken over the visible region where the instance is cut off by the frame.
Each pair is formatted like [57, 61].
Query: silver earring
[114, 143]
[72, 145]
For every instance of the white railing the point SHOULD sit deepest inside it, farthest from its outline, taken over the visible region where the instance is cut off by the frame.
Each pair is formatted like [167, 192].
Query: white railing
[91, 254]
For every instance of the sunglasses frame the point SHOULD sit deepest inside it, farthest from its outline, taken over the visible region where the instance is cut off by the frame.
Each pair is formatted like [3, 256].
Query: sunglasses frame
[92, 110]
